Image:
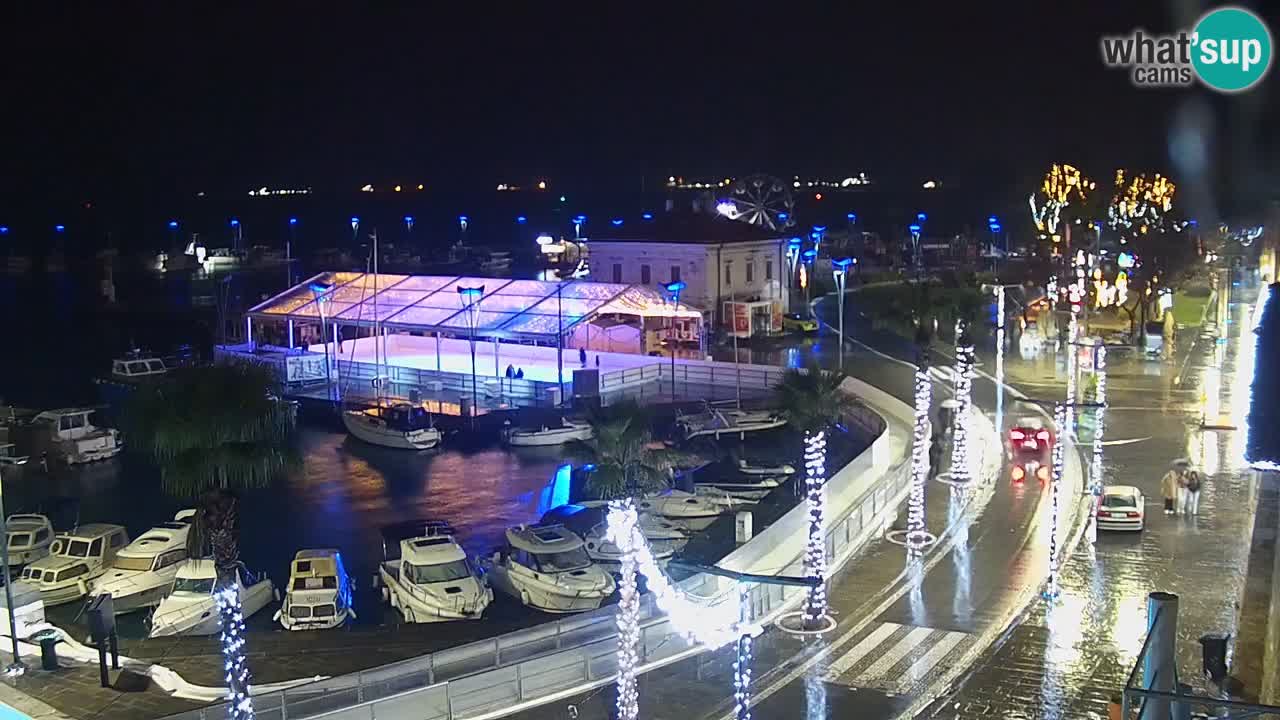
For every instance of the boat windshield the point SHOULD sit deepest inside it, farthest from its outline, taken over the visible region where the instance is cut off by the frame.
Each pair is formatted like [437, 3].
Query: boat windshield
[19, 539]
[133, 563]
[443, 572]
[553, 562]
[77, 548]
[200, 586]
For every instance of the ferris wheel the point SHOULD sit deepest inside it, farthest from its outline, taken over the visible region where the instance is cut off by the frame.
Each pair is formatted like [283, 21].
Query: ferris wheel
[761, 200]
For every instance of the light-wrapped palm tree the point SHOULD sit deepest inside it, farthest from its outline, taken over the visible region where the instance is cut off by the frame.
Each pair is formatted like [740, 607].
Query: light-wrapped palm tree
[213, 430]
[814, 402]
[623, 457]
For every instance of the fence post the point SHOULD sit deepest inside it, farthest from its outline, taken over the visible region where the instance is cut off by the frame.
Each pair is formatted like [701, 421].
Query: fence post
[360, 687]
[519, 682]
[1159, 666]
[284, 705]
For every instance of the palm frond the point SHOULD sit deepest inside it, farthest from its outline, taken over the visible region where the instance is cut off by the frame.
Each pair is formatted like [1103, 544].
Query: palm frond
[812, 398]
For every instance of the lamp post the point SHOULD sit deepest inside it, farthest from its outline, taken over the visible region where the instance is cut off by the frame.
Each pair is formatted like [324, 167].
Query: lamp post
[288, 250]
[235, 232]
[793, 258]
[320, 291]
[819, 232]
[560, 339]
[916, 258]
[408, 223]
[470, 298]
[578, 222]
[16, 668]
[173, 234]
[355, 227]
[674, 288]
[840, 269]
[808, 256]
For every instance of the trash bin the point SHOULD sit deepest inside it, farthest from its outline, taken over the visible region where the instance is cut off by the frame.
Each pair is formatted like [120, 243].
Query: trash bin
[1213, 651]
[49, 653]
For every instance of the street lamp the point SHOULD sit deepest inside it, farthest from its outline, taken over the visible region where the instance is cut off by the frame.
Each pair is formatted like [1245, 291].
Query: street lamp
[16, 668]
[470, 298]
[819, 232]
[840, 270]
[408, 223]
[578, 222]
[673, 288]
[355, 226]
[235, 231]
[808, 256]
[321, 293]
[916, 258]
[288, 250]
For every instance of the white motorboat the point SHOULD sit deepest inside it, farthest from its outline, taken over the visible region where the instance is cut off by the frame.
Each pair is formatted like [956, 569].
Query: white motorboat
[319, 595]
[721, 498]
[749, 468]
[190, 607]
[77, 439]
[137, 367]
[568, 430]
[143, 570]
[30, 536]
[745, 487]
[590, 521]
[547, 567]
[398, 425]
[692, 510]
[716, 422]
[75, 558]
[426, 574]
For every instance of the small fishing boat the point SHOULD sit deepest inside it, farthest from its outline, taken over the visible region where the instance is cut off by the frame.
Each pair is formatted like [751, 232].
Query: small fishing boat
[426, 574]
[695, 512]
[547, 567]
[545, 436]
[143, 570]
[319, 594]
[745, 487]
[76, 439]
[190, 607]
[75, 558]
[715, 422]
[749, 468]
[397, 425]
[30, 536]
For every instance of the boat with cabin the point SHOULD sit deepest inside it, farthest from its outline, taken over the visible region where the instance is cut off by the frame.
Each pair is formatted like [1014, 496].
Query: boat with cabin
[319, 595]
[715, 422]
[29, 538]
[426, 575]
[143, 571]
[75, 559]
[695, 512]
[398, 425]
[74, 437]
[190, 608]
[568, 430]
[547, 568]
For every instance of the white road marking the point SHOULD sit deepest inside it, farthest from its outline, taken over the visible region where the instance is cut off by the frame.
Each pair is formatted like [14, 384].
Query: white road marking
[1128, 441]
[857, 652]
[892, 656]
[922, 666]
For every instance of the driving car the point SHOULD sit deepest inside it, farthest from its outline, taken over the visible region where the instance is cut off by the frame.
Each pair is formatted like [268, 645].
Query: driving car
[795, 322]
[1030, 443]
[1121, 508]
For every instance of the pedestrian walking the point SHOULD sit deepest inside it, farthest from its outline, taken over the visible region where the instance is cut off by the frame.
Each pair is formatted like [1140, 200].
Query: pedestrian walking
[582, 356]
[1169, 489]
[1195, 482]
[935, 456]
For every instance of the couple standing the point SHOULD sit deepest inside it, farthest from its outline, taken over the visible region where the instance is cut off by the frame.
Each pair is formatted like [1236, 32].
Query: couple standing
[1181, 489]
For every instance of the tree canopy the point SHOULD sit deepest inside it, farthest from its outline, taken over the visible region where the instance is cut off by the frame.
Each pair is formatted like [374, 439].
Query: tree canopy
[625, 457]
[812, 398]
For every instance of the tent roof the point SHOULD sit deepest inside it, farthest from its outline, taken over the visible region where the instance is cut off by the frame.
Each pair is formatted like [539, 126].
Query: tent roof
[517, 309]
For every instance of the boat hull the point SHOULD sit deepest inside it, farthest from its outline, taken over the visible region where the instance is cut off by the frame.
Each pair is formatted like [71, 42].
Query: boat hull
[202, 618]
[373, 432]
[545, 438]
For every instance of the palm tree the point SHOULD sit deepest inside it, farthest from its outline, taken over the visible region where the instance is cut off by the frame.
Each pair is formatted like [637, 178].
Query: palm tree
[212, 430]
[813, 401]
[623, 457]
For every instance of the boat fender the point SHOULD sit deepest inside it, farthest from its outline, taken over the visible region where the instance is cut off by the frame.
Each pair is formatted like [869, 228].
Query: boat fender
[276, 617]
[524, 597]
[275, 593]
[377, 581]
[352, 613]
[386, 595]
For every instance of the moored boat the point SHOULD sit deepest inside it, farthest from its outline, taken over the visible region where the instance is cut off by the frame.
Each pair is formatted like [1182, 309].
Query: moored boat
[547, 568]
[569, 430]
[426, 574]
[319, 595]
[142, 572]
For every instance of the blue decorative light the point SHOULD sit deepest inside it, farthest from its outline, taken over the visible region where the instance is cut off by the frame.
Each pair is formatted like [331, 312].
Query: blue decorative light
[819, 228]
[993, 220]
[783, 216]
[921, 217]
[995, 228]
[521, 219]
[173, 224]
[293, 221]
[841, 264]
[675, 287]
[235, 222]
[616, 222]
[59, 228]
[319, 288]
[4, 229]
[355, 220]
[562, 198]
[580, 219]
[851, 217]
[647, 216]
[462, 218]
[809, 255]
[915, 229]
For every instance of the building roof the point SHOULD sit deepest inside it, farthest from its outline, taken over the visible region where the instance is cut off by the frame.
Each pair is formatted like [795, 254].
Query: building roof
[515, 309]
[687, 228]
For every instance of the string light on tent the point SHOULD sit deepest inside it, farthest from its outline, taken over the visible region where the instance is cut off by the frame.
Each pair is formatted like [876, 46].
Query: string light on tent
[236, 671]
[1055, 478]
[815, 552]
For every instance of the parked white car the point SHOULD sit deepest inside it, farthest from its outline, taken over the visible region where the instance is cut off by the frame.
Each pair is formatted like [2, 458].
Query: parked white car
[1121, 507]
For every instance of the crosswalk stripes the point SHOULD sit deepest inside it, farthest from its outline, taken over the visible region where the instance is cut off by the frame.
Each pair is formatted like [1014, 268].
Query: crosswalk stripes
[893, 657]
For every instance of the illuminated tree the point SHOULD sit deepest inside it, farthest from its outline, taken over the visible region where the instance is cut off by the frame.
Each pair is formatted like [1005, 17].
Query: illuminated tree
[1140, 204]
[1061, 186]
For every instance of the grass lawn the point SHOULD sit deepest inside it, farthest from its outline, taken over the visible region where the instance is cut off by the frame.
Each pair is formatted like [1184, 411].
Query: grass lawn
[1188, 309]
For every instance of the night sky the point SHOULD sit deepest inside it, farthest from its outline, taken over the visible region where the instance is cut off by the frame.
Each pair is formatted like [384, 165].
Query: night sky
[118, 101]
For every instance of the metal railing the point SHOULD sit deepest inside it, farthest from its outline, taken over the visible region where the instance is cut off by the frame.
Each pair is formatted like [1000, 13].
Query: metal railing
[526, 665]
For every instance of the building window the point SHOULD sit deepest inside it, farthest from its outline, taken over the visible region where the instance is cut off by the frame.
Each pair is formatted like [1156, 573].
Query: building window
[768, 270]
[751, 271]
[675, 273]
[728, 274]
[644, 275]
[617, 272]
